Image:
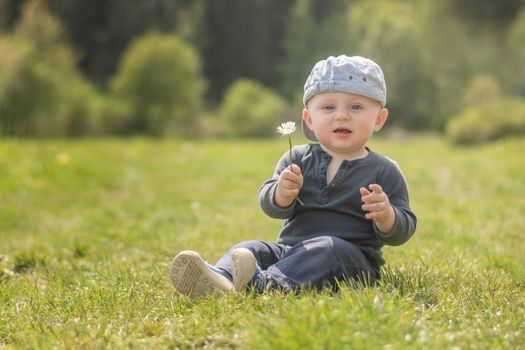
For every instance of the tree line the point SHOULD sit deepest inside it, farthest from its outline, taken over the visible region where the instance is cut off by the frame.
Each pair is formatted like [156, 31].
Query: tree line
[434, 55]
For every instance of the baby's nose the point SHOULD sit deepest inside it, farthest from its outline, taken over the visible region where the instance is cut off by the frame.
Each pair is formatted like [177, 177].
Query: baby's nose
[342, 113]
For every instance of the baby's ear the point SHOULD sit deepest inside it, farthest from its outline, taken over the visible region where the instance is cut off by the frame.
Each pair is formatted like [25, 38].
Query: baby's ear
[306, 117]
[382, 116]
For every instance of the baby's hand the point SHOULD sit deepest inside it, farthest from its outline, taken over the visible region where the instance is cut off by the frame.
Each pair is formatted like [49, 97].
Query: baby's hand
[377, 204]
[288, 186]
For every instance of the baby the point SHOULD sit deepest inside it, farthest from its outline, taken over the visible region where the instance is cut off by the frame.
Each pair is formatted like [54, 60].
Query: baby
[353, 200]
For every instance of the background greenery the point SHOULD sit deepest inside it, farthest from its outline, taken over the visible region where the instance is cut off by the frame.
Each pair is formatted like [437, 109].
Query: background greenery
[89, 227]
[159, 67]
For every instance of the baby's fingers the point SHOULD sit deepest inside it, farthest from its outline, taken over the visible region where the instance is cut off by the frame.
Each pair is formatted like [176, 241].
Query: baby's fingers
[295, 169]
[293, 177]
[375, 188]
[375, 207]
[377, 195]
[289, 176]
[364, 192]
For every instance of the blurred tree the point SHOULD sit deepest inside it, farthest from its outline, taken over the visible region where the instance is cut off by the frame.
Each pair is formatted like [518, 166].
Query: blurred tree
[9, 12]
[430, 50]
[160, 78]
[243, 40]
[499, 13]
[102, 29]
[482, 89]
[299, 48]
[323, 9]
[459, 53]
[41, 91]
[492, 120]
[251, 110]
[238, 38]
[516, 44]
[192, 25]
[397, 44]
[314, 32]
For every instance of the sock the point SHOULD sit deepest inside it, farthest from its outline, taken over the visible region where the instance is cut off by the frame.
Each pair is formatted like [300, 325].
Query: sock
[259, 280]
[220, 271]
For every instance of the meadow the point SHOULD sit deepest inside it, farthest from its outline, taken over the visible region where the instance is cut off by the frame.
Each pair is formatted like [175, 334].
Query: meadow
[88, 229]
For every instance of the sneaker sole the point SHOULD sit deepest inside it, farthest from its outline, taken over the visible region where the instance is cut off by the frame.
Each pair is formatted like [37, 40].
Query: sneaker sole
[243, 268]
[190, 276]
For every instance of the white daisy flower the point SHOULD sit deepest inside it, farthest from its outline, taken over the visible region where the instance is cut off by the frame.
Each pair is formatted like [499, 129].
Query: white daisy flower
[286, 128]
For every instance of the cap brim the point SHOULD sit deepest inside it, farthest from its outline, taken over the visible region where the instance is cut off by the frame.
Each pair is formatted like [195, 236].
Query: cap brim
[308, 133]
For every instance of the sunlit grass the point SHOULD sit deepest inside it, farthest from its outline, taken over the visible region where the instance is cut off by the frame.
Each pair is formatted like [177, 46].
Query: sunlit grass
[88, 229]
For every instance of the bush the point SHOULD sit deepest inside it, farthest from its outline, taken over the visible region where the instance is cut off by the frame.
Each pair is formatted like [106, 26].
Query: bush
[515, 40]
[481, 89]
[490, 121]
[160, 79]
[41, 90]
[410, 87]
[251, 110]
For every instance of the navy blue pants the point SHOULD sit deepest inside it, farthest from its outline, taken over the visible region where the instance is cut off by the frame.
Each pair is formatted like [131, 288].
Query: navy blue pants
[315, 263]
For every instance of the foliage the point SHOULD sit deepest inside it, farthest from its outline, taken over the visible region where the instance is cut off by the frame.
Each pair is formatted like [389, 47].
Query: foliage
[310, 37]
[41, 90]
[490, 121]
[406, 71]
[481, 89]
[515, 40]
[89, 227]
[101, 31]
[496, 12]
[250, 109]
[299, 52]
[430, 50]
[426, 69]
[160, 78]
[516, 35]
[242, 40]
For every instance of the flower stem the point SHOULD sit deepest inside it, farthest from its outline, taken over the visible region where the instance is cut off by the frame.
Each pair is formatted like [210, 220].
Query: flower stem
[291, 164]
[290, 143]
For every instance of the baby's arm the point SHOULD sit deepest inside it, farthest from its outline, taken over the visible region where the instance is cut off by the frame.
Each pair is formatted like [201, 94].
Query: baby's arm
[378, 208]
[280, 206]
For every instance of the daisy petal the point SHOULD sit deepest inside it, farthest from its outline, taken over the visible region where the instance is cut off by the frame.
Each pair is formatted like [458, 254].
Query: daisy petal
[286, 128]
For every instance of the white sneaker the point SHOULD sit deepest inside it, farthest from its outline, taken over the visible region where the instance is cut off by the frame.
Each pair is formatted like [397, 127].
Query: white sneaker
[192, 276]
[243, 268]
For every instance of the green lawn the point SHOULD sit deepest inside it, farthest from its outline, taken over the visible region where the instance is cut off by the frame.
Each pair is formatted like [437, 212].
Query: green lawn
[88, 229]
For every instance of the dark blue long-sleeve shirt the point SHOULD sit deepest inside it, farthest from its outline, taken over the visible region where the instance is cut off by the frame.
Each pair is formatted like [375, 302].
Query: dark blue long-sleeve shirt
[334, 209]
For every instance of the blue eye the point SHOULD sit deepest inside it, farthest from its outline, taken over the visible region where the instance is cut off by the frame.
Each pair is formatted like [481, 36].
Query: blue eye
[356, 107]
[328, 107]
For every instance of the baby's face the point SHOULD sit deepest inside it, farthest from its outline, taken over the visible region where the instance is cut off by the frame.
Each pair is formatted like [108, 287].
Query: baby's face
[343, 122]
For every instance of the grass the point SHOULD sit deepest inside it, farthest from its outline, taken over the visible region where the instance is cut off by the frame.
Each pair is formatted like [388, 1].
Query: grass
[88, 229]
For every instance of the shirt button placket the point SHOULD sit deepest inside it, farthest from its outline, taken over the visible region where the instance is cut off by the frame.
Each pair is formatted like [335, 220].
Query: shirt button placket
[323, 196]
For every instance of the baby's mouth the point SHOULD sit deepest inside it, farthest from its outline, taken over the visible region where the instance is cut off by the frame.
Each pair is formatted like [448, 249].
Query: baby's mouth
[342, 131]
